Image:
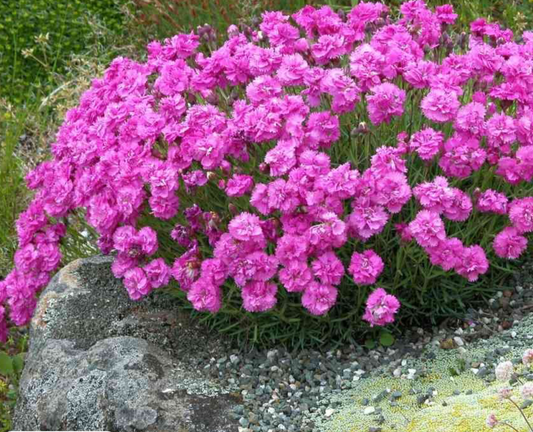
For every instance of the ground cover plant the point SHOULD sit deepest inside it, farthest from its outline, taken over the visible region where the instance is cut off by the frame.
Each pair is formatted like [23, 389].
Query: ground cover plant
[305, 177]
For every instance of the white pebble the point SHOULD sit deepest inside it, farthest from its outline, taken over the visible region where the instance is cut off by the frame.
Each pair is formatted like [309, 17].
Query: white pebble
[459, 341]
[329, 412]
[369, 410]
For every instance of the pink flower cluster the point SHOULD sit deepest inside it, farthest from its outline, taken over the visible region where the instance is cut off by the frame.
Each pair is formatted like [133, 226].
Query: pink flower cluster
[257, 122]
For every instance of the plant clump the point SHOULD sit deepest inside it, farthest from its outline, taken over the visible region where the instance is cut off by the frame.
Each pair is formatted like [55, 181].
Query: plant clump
[320, 171]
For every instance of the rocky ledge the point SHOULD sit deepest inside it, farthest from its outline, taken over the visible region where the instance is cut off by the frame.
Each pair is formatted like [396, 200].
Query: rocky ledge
[99, 361]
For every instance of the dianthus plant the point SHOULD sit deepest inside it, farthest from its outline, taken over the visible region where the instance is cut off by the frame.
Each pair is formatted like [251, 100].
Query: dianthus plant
[316, 161]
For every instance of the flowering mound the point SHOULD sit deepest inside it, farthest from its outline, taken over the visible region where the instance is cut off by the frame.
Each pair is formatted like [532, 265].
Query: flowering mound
[249, 175]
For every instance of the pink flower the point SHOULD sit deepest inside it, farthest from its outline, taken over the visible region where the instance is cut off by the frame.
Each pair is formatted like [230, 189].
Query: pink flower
[509, 243]
[473, 263]
[504, 371]
[471, 119]
[147, 240]
[239, 185]
[157, 272]
[259, 296]
[365, 267]
[526, 391]
[366, 221]
[296, 276]
[204, 296]
[521, 214]
[492, 201]
[427, 143]
[328, 268]
[427, 229]
[446, 14]
[527, 357]
[447, 254]
[392, 191]
[328, 47]
[386, 100]
[137, 283]
[380, 308]
[491, 421]
[440, 106]
[322, 129]
[246, 227]
[459, 207]
[318, 299]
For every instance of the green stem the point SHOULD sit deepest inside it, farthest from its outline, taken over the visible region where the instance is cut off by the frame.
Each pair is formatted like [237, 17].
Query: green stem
[523, 415]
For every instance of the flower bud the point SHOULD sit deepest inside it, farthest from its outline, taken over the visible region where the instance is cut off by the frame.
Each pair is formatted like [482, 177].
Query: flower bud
[362, 129]
[212, 99]
[491, 421]
[232, 209]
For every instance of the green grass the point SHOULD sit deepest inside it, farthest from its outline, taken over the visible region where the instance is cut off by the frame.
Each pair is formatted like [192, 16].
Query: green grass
[12, 192]
[36, 35]
[164, 18]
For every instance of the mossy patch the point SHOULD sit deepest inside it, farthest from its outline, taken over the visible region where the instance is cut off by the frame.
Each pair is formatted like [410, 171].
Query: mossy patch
[447, 396]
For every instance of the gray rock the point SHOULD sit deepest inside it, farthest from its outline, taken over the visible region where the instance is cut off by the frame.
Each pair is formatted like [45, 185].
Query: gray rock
[98, 361]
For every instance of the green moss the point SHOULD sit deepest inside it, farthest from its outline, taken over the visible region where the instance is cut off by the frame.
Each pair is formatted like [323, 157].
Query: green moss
[462, 413]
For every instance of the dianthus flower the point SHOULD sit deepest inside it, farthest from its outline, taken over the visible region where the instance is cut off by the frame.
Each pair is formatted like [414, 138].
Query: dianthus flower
[471, 119]
[328, 268]
[368, 65]
[157, 273]
[447, 254]
[427, 143]
[291, 248]
[385, 101]
[440, 106]
[446, 14]
[509, 243]
[136, 283]
[205, 296]
[322, 129]
[435, 196]
[473, 263]
[427, 229]
[459, 207]
[380, 308]
[392, 191]
[521, 214]
[259, 296]
[509, 169]
[246, 227]
[462, 157]
[318, 299]
[296, 276]
[492, 201]
[365, 267]
[366, 221]
[239, 185]
[501, 132]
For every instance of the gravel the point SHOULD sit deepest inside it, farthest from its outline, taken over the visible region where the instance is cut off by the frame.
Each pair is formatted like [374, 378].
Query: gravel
[305, 389]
